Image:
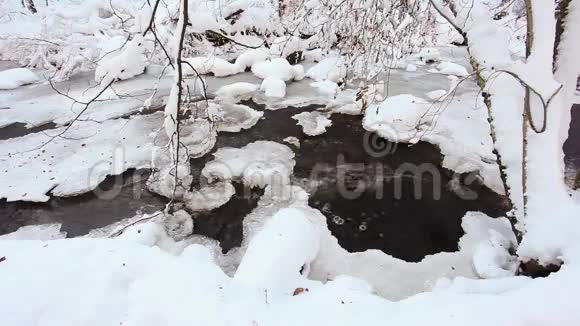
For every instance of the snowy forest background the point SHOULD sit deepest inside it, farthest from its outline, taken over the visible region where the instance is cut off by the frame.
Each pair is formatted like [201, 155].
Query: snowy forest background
[195, 100]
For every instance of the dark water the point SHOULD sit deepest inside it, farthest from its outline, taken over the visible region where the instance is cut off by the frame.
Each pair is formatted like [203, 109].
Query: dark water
[115, 200]
[18, 130]
[388, 215]
[397, 222]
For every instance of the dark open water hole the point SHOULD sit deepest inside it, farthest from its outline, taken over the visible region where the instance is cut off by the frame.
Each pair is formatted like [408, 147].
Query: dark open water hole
[399, 223]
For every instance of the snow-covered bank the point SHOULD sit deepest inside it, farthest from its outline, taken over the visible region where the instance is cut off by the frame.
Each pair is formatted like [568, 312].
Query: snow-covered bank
[71, 161]
[130, 280]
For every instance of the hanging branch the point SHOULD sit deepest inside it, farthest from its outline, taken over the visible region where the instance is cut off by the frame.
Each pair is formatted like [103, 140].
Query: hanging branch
[174, 140]
[545, 103]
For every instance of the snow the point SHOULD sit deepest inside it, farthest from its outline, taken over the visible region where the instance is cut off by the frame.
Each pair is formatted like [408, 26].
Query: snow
[127, 63]
[313, 123]
[13, 78]
[132, 280]
[407, 118]
[493, 260]
[273, 87]
[278, 68]
[450, 68]
[437, 95]
[36, 232]
[41, 105]
[290, 232]
[429, 54]
[292, 141]
[178, 225]
[236, 91]
[209, 197]
[326, 88]
[257, 164]
[332, 69]
[205, 65]
[38, 163]
[251, 57]
[489, 45]
[398, 118]
[233, 117]
[289, 268]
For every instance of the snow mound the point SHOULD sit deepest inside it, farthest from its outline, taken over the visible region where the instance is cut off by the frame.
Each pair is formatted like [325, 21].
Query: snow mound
[205, 65]
[236, 91]
[295, 232]
[233, 117]
[251, 57]
[332, 69]
[12, 78]
[398, 118]
[450, 68]
[429, 55]
[313, 123]
[286, 45]
[257, 164]
[36, 232]
[278, 68]
[326, 88]
[273, 87]
[127, 63]
[411, 67]
[492, 259]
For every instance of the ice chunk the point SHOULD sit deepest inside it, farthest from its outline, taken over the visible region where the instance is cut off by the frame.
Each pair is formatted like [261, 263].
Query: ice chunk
[273, 87]
[292, 141]
[12, 78]
[313, 123]
[205, 65]
[437, 95]
[411, 67]
[178, 225]
[236, 91]
[398, 118]
[450, 68]
[233, 117]
[209, 197]
[257, 164]
[198, 136]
